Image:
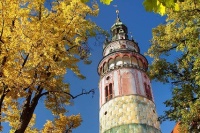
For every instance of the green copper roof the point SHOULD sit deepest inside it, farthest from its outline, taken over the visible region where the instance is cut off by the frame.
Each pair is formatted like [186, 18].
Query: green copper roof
[119, 30]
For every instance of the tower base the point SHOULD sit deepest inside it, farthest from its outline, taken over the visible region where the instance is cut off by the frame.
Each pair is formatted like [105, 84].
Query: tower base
[133, 128]
[129, 114]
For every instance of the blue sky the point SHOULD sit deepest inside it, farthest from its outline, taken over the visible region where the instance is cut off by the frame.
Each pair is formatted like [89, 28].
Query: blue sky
[140, 24]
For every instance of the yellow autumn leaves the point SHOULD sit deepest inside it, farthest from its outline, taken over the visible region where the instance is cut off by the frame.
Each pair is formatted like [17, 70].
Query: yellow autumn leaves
[157, 6]
[62, 124]
[39, 41]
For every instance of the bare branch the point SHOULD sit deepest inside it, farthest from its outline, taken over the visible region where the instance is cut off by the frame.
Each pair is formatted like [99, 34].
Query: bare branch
[4, 61]
[70, 128]
[166, 50]
[25, 60]
[84, 92]
[2, 31]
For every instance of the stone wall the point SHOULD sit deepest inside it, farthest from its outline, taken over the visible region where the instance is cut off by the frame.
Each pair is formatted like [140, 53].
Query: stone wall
[128, 114]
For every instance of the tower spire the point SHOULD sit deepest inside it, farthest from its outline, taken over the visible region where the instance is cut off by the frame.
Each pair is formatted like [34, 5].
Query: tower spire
[119, 30]
[118, 19]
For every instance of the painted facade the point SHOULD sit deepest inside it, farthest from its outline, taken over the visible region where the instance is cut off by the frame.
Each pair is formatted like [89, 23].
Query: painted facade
[126, 99]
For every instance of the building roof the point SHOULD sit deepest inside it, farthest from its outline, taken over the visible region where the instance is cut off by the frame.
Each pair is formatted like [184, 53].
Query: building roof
[176, 128]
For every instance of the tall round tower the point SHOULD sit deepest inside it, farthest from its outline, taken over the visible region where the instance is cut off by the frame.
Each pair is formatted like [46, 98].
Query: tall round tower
[126, 100]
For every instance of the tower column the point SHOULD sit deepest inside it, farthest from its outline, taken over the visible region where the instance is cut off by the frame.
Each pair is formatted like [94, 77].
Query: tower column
[126, 99]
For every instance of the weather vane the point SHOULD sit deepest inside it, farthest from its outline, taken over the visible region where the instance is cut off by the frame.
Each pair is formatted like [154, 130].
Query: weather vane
[117, 11]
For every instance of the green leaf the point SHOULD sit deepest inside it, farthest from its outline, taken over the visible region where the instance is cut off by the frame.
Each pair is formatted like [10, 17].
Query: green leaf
[175, 49]
[150, 5]
[161, 9]
[176, 7]
[107, 2]
[168, 3]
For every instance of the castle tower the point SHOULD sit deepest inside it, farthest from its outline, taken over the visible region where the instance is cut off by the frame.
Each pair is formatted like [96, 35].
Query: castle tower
[126, 100]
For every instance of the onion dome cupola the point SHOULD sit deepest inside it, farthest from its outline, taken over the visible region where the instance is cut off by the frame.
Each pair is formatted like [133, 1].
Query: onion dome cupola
[119, 39]
[119, 30]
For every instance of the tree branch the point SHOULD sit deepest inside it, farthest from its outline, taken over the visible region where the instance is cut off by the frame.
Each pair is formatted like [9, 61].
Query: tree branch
[26, 103]
[25, 60]
[69, 94]
[2, 31]
[166, 50]
[5, 91]
[69, 129]
[28, 109]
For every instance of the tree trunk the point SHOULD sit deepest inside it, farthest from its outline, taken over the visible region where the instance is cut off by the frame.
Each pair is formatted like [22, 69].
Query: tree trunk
[27, 113]
[1, 103]
[5, 91]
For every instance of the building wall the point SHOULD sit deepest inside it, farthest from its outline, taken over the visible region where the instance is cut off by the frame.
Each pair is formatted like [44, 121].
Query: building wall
[117, 45]
[129, 114]
[125, 81]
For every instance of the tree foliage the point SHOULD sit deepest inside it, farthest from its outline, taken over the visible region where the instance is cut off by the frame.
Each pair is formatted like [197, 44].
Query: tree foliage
[175, 48]
[62, 124]
[157, 6]
[160, 6]
[39, 41]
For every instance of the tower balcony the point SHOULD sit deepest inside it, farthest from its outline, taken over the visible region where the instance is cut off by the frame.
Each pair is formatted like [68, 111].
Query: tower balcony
[122, 59]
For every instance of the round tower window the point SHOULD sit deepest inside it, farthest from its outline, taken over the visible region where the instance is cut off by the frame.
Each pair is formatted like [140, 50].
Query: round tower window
[108, 78]
[105, 113]
[121, 30]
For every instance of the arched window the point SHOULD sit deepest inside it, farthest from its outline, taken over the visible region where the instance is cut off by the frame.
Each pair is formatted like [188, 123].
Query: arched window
[145, 65]
[147, 91]
[126, 60]
[105, 67]
[118, 61]
[108, 92]
[134, 61]
[150, 94]
[111, 63]
[140, 63]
